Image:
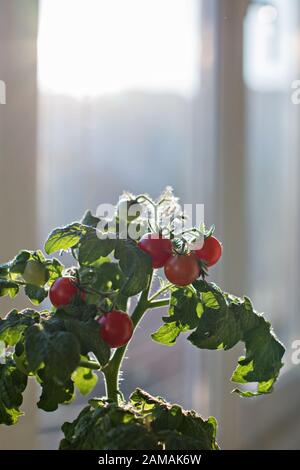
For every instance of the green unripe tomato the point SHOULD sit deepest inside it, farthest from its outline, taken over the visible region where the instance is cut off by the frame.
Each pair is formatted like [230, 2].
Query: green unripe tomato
[128, 209]
[35, 273]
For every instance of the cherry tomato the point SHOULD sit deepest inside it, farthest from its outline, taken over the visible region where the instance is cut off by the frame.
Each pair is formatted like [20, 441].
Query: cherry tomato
[116, 328]
[35, 273]
[211, 251]
[64, 290]
[182, 270]
[158, 247]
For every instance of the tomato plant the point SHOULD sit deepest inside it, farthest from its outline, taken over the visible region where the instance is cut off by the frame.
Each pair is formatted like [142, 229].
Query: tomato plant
[86, 332]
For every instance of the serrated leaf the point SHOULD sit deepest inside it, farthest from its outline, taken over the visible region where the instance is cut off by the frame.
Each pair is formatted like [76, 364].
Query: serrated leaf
[64, 238]
[219, 321]
[4, 270]
[84, 312]
[263, 358]
[184, 312]
[8, 288]
[12, 273]
[57, 352]
[35, 293]
[90, 220]
[105, 277]
[263, 388]
[169, 419]
[87, 333]
[144, 423]
[12, 385]
[136, 266]
[54, 394]
[17, 265]
[54, 269]
[91, 248]
[15, 323]
[167, 333]
[85, 380]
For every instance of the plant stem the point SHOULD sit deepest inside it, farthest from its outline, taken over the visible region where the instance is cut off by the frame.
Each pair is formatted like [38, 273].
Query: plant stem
[112, 370]
[160, 291]
[93, 365]
[159, 303]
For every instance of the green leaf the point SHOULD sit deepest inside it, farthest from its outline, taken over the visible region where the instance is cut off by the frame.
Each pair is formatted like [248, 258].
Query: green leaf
[105, 277]
[90, 220]
[20, 358]
[83, 312]
[35, 293]
[144, 423]
[91, 248]
[85, 380]
[54, 394]
[167, 333]
[58, 352]
[263, 359]
[12, 385]
[8, 288]
[220, 326]
[184, 313]
[136, 266]
[12, 273]
[17, 265]
[187, 427]
[219, 321]
[15, 323]
[185, 308]
[64, 238]
[4, 271]
[54, 269]
[87, 333]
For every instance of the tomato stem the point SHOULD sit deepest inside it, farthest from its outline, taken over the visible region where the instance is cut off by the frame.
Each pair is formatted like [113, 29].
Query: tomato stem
[112, 370]
[160, 291]
[159, 303]
[93, 365]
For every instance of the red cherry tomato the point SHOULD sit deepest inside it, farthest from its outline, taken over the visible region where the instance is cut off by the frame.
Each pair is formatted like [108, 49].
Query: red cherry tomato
[182, 270]
[211, 251]
[116, 328]
[158, 247]
[63, 291]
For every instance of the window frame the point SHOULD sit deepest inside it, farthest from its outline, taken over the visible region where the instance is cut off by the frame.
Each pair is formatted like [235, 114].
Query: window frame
[221, 132]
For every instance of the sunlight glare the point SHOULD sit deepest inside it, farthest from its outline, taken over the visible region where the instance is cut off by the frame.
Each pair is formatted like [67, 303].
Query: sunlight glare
[94, 47]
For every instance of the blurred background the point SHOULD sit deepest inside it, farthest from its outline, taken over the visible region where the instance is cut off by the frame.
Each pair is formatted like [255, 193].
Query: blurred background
[107, 95]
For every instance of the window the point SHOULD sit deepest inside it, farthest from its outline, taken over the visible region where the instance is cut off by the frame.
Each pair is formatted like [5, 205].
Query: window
[272, 162]
[166, 96]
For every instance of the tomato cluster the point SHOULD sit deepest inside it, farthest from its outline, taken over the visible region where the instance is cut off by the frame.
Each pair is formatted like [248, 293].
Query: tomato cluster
[180, 269]
[116, 327]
